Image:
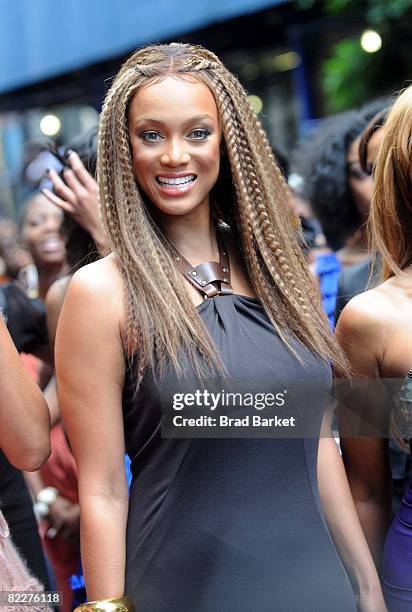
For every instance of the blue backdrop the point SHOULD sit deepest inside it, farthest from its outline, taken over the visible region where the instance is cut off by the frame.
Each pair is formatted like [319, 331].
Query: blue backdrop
[43, 38]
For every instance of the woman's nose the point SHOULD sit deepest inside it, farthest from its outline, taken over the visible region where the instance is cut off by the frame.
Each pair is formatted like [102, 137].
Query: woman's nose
[53, 223]
[175, 155]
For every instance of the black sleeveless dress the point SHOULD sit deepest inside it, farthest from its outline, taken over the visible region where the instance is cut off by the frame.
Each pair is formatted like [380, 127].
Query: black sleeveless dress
[232, 525]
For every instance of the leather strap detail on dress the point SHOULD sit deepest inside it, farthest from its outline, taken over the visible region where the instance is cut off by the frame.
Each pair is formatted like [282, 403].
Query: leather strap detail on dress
[211, 278]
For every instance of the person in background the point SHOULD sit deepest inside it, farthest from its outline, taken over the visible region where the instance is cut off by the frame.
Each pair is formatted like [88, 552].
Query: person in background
[39, 228]
[323, 262]
[13, 257]
[357, 278]
[40, 224]
[339, 191]
[24, 439]
[334, 183]
[75, 192]
[24, 315]
[26, 321]
[75, 195]
[375, 331]
[40, 232]
[354, 279]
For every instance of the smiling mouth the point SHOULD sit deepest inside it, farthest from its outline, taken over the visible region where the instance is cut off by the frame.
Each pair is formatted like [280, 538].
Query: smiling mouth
[51, 245]
[178, 182]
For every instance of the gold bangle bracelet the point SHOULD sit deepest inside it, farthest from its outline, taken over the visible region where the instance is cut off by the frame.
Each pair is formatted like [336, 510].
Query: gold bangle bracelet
[115, 604]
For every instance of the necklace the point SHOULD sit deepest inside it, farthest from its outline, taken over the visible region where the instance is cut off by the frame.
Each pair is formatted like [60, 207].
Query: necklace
[210, 278]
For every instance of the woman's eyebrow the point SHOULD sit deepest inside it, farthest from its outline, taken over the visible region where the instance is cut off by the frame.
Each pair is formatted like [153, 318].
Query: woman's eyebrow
[199, 118]
[190, 120]
[148, 120]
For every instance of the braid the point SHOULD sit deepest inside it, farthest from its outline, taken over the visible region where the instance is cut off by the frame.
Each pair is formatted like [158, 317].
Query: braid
[251, 192]
[258, 185]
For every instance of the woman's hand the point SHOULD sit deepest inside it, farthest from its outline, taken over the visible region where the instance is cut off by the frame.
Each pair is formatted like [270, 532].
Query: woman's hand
[65, 518]
[78, 196]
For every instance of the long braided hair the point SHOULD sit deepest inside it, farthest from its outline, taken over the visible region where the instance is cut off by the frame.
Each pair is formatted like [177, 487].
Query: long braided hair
[250, 196]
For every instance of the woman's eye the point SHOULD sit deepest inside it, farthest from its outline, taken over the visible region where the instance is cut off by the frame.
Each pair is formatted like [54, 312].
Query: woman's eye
[355, 171]
[35, 221]
[199, 134]
[151, 136]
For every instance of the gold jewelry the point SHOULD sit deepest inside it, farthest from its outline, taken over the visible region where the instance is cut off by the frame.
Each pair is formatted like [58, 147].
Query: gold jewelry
[115, 604]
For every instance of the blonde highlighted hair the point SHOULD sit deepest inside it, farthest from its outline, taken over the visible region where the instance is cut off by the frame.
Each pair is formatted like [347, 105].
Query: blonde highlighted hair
[390, 220]
[251, 197]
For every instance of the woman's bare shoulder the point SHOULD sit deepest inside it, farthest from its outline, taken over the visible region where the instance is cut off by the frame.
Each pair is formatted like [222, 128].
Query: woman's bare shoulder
[368, 308]
[59, 286]
[55, 294]
[100, 275]
[100, 283]
[363, 329]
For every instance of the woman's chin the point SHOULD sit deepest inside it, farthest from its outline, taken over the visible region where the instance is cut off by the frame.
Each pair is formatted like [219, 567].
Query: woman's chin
[177, 208]
[50, 260]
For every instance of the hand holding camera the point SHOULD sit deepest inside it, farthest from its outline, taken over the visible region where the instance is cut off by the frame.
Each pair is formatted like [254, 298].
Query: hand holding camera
[76, 192]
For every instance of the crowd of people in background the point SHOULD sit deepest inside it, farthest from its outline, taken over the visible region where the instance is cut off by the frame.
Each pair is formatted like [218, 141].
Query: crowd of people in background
[350, 183]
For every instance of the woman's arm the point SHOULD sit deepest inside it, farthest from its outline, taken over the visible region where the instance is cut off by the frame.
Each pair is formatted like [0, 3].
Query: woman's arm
[90, 377]
[62, 513]
[344, 525]
[54, 302]
[366, 457]
[24, 418]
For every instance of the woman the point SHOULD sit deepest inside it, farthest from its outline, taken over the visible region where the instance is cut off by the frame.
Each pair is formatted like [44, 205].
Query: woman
[376, 333]
[75, 192]
[41, 235]
[339, 191]
[212, 524]
[24, 438]
[334, 182]
[40, 232]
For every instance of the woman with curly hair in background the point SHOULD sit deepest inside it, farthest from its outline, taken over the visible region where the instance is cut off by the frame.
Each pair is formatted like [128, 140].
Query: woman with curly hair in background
[187, 176]
[335, 183]
[339, 191]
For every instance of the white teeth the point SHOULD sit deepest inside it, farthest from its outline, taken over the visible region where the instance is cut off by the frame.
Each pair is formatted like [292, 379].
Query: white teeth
[176, 182]
[52, 243]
